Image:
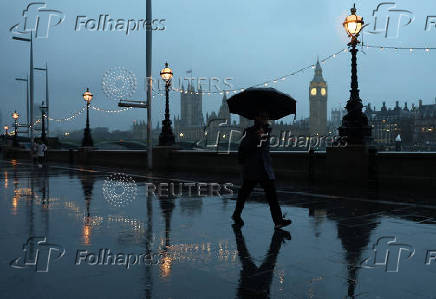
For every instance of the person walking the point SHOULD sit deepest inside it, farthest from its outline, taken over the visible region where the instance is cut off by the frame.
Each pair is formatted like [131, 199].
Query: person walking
[255, 158]
[42, 148]
[34, 151]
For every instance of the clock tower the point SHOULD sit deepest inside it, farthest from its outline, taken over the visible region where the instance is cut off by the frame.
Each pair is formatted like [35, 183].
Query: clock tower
[318, 103]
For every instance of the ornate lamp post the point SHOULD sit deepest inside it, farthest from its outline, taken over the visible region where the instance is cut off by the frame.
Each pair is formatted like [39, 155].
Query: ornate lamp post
[166, 137]
[43, 109]
[15, 116]
[87, 139]
[355, 124]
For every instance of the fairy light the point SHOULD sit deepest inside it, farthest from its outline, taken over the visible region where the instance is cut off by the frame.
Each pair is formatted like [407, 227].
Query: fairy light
[111, 111]
[396, 49]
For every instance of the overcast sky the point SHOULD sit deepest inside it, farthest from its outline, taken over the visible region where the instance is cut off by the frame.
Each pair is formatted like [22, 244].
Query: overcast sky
[249, 41]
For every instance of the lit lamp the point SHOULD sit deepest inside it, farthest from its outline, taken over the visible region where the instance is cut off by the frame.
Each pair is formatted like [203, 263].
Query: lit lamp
[87, 139]
[15, 116]
[6, 130]
[166, 137]
[353, 25]
[354, 127]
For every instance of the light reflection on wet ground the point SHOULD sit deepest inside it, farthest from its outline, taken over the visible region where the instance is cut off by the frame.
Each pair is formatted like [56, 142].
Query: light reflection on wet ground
[199, 253]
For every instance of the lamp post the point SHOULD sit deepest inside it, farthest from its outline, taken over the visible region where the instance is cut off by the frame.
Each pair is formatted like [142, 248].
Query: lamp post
[87, 139]
[166, 137]
[354, 127]
[6, 130]
[43, 109]
[15, 116]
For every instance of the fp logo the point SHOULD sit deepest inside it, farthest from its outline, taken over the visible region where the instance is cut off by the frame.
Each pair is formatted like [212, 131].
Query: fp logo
[388, 20]
[37, 253]
[387, 253]
[37, 18]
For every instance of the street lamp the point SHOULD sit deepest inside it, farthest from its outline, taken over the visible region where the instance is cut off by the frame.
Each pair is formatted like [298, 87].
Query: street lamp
[43, 109]
[166, 137]
[354, 127]
[6, 130]
[87, 139]
[15, 116]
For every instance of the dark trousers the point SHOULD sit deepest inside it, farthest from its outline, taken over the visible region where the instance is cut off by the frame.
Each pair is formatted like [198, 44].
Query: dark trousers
[271, 195]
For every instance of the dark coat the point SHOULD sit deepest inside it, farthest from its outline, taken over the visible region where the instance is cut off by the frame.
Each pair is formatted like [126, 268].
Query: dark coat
[254, 156]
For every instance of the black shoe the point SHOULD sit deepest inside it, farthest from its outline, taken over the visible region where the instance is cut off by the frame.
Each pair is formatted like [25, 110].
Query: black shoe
[284, 235]
[238, 220]
[283, 223]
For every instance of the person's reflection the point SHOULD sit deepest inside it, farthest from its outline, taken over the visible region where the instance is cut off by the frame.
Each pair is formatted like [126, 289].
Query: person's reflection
[40, 178]
[87, 180]
[255, 282]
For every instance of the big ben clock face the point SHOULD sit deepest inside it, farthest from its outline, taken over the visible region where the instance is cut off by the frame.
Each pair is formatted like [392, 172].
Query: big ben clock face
[313, 91]
[323, 91]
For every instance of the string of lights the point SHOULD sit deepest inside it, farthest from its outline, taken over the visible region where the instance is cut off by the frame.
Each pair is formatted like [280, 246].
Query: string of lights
[68, 118]
[76, 114]
[263, 84]
[110, 111]
[410, 49]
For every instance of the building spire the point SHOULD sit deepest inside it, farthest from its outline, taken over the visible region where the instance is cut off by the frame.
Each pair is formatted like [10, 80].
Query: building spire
[318, 72]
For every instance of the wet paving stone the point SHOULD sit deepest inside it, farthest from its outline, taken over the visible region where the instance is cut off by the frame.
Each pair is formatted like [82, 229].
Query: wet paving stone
[78, 221]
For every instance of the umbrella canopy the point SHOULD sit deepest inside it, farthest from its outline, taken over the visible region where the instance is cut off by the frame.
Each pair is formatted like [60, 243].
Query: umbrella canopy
[253, 102]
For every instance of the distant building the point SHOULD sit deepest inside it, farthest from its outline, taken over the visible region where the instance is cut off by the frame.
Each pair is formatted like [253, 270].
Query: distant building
[139, 129]
[425, 125]
[387, 124]
[190, 124]
[336, 120]
[318, 103]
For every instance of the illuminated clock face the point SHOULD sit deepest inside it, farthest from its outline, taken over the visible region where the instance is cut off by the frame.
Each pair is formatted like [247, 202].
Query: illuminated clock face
[323, 91]
[313, 91]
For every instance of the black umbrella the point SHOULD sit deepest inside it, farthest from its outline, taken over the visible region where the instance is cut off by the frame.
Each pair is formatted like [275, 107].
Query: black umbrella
[253, 102]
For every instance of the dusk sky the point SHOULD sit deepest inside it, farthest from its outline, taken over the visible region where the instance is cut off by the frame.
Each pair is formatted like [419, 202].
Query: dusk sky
[248, 41]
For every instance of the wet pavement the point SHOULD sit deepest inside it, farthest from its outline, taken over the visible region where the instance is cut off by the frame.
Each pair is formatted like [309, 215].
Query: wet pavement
[91, 233]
